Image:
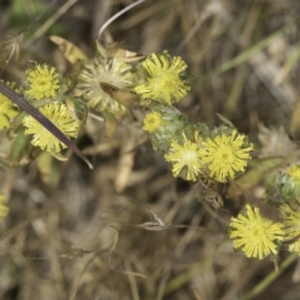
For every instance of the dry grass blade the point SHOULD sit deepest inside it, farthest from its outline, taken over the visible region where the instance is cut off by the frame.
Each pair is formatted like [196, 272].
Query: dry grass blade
[190, 273]
[132, 281]
[79, 275]
[71, 253]
[38, 33]
[120, 13]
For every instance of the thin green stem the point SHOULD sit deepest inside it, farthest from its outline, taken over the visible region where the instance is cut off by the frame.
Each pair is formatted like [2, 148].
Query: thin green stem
[271, 277]
[244, 56]
[183, 278]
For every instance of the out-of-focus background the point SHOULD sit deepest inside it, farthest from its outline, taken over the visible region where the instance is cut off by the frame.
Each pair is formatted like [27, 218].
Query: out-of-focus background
[80, 240]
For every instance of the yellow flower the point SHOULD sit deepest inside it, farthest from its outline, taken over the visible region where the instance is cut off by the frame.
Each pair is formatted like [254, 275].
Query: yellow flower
[163, 79]
[8, 110]
[185, 159]
[60, 116]
[43, 82]
[291, 227]
[4, 209]
[294, 171]
[225, 155]
[152, 121]
[108, 70]
[254, 235]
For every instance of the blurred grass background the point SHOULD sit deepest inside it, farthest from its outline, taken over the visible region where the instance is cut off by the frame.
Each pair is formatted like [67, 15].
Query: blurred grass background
[70, 239]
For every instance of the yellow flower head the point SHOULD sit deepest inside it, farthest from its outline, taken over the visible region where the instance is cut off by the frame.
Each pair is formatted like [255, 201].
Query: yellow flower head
[8, 111]
[4, 209]
[152, 121]
[60, 116]
[163, 79]
[185, 159]
[294, 171]
[291, 227]
[254, 235]
[42, 82]
[225, 155]
[108, 70]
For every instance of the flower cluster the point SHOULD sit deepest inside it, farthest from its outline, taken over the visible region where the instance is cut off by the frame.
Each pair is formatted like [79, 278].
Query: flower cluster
[160, 81]
[47, 91]
[43, 86]
[192, 149]
[195, 151]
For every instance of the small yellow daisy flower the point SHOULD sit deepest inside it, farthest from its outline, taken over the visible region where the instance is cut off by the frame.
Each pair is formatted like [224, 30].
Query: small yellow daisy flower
[43, 82]
[108, 70]
[225, 155]
[163, 80]
[185, 159]
[4, 209]
[255, 235]
[152, 121]
[8, 111]
[60, 116]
